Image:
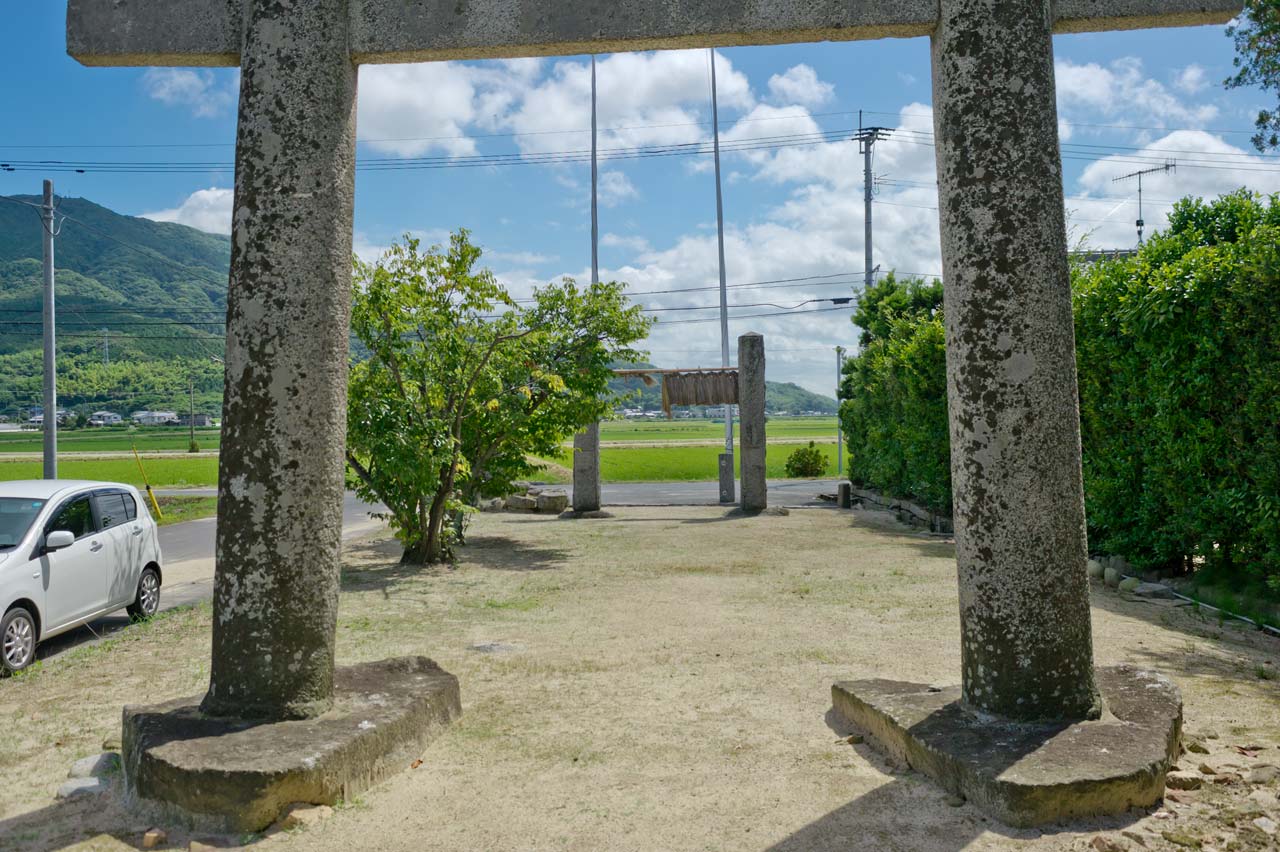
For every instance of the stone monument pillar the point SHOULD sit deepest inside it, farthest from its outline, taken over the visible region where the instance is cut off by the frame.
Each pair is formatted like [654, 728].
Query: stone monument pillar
[586, 469]
[755, 490]
[1026, 648]
[280, 471]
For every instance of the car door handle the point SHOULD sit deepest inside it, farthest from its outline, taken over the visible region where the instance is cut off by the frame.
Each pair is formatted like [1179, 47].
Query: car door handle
[137, 530]
[95, 547]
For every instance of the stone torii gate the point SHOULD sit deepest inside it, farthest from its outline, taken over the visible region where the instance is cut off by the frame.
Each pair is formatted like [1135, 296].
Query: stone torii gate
[1020, 536]
[749, 379]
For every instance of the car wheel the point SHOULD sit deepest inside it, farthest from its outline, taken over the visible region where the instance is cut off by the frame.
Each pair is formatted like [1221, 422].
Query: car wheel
[148, 599]
[17, 640]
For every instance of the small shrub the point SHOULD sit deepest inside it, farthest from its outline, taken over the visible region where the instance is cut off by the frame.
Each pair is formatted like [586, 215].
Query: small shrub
[807, 462]
[193, 447]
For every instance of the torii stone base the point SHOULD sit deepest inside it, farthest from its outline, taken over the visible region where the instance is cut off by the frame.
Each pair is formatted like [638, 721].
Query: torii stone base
[235, 776]
[1027, 774]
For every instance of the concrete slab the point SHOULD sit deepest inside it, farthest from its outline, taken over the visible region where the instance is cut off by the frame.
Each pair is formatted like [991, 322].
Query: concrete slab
[1027, 774]
[229, 775]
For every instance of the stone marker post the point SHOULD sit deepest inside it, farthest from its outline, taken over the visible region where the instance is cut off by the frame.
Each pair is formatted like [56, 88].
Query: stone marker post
[755, 490]
[586, 469]
[1026, 645]
[280, 471]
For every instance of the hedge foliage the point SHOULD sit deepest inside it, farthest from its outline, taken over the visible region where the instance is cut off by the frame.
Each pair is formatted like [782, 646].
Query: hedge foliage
[1179, 363]
[894, 413]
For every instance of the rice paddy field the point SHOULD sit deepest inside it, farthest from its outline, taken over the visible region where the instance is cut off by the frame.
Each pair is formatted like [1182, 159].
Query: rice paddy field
[633, 451]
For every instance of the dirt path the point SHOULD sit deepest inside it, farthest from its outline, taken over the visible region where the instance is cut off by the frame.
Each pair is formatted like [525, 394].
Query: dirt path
[659, 681]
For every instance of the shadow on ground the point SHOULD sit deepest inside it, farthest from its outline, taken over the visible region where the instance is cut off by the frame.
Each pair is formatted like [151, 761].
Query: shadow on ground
[378, 564]
[888, 816]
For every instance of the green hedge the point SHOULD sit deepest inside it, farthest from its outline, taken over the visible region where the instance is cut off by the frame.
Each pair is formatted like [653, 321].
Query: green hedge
[1179, 362]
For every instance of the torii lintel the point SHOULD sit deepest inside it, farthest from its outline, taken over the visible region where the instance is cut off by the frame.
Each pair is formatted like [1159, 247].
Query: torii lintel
[208, 32]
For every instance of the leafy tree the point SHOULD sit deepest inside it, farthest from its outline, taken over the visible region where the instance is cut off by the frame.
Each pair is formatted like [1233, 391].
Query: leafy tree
[1257, 60]
[463, 383]
[889, 299]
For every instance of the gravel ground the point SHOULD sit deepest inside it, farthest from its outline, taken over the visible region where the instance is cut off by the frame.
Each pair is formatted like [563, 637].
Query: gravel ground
[661, 680]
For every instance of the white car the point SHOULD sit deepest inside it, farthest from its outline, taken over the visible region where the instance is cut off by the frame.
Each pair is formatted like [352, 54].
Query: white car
[71, 552]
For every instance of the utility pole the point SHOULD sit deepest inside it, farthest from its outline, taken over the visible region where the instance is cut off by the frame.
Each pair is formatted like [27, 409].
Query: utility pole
[1167, 167]
[727, 484]
[595, 221]
[106, 347]
[867, 138]
[191, 415]
[839, 439]
[50, 419]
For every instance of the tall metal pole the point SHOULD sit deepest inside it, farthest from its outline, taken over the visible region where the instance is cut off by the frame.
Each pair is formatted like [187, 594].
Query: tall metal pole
[50, 346]
[595, 221]
[726, 483]
[839, 439]
[866, 203]
[191, 416]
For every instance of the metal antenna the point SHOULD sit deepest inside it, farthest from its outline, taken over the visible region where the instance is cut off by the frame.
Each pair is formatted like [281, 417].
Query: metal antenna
[1169, 166]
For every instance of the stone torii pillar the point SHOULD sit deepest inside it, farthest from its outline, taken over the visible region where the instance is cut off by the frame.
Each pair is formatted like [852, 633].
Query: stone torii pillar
[586, 469]
[1026, 639]
[751, 418]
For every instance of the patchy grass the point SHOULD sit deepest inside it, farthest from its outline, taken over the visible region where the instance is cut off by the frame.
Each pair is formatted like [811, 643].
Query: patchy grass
[655, 680]
[180, 508]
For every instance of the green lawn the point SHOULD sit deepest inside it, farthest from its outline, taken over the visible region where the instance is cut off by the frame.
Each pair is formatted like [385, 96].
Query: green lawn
[177, 509]
[708, 430]
[109, 440]
[162, 472]
[688, 464]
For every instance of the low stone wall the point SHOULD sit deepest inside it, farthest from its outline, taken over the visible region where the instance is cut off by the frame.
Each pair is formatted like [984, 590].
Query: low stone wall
[539, 499]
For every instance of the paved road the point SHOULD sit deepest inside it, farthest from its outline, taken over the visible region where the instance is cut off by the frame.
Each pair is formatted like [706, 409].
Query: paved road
[188, 568]
[782, 492]
[188, 547]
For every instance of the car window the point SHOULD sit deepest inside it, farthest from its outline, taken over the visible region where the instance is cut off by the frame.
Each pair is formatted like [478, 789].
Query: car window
[75, 517]
[16, 517]
[111, 510]
[130, 507]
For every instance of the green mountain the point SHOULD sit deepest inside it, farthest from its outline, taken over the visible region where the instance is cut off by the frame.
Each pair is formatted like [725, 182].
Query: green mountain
[140, 306]
[778, 396]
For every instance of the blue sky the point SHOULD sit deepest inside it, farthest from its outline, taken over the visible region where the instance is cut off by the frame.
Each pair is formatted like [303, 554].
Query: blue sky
[1127, 101]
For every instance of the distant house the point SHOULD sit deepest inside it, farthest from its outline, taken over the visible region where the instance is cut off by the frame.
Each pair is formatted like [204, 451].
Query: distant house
[200, 420]
[155, 418]
[105, 418]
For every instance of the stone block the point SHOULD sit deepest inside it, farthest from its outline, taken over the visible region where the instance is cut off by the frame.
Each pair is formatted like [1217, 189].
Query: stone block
[1153, 590]
[552, 502]
[96, 766]
[521, 503]
[844, 495]
[1026, 773]
[1095, 569]
[1111, 576]
[77, 787]
[232, 775]
[1128, 584]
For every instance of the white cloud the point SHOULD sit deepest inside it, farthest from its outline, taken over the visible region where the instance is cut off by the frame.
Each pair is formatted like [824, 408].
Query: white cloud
[1106, 210]
[1122, 89]
[633, 243]
[205, 209]
[1192, 80]
[201, 91]
[800, 85]
[615, 188]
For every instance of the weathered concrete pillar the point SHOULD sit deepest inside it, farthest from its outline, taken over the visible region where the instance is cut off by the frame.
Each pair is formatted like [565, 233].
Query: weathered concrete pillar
[1011, 377]
[755, 490]
[280, 471]
[586, 469]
